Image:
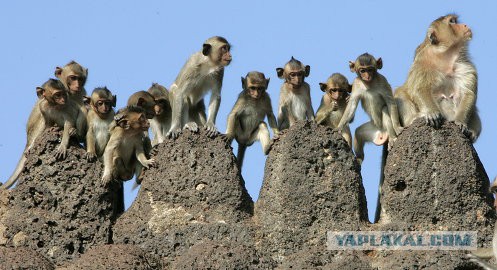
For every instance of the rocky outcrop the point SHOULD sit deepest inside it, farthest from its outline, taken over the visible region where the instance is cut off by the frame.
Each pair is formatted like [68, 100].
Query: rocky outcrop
[23, 258]
[312, 184]
[58, 207]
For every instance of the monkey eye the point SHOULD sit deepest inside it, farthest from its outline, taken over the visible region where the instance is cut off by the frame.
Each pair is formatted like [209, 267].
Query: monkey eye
[57, 95]
[364, 70]
[73, 77]
[258, 88]
[334, 90]
[102, 102]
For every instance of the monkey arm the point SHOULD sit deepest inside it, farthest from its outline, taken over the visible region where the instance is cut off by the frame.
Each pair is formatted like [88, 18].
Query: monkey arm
[349, 112]
[421, 93]
[466, 107]
[230, 127]
[310, 110]
[91, 153]
[323, 112]
[66, 134]
[140, 155]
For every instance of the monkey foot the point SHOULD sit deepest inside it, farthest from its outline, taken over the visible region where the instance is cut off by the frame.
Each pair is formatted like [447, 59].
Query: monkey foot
[380, 138]
[192, 126]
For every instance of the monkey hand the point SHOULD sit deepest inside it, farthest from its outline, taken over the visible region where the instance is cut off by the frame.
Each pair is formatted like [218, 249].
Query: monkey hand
[211, 129]
[173, 133]
[398, 130]
[433, 119]
[91, 156]
[148, 163]
[106, 179]
[192, 126]
[466, 131]
[61, 152]
[228, 137]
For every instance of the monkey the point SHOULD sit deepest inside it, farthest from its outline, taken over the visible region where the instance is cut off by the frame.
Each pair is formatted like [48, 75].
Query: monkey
[442, 82]
[73, 76]
[161, 122]
[202, 72]
[295, 97]
[333, 103]
[99, 118]
[375, 94]
[53, 108]
[125, 151]
[246, 119]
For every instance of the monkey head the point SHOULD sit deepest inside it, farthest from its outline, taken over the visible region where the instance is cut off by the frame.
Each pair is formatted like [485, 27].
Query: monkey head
[161, 97]
[366, 66]
[337, 87]
[54, 92]
[145, 101]
[73, 76]
[132, 119]
[101, 101]
[446, 32]
[294, 73]
[218, 50]
[255, 84]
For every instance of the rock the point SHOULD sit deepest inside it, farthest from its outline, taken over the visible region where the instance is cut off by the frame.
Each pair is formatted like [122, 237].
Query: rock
[312, 184]
[58, 207]
[434, 181]
[23, 258]
[115, 257]
[195, 194]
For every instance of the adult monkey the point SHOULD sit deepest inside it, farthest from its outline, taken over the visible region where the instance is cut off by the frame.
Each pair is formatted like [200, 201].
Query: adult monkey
[202, 72]
[442, 81]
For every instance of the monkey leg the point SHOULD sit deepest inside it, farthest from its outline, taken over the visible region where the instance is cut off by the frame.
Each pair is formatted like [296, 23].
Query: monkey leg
[347, 135]
[240, 155]
[262, 134]
[367, 132]
[407, 109]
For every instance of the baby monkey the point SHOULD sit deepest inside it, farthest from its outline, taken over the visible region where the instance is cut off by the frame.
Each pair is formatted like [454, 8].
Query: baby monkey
[125, 146]
[100, 116]
[246, 120]
[333, 104]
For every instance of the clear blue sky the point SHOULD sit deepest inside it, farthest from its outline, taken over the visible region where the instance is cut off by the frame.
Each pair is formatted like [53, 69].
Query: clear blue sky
[127, 45]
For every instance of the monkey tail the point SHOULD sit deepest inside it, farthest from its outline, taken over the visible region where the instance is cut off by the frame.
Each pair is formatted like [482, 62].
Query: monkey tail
[15, 175]
[240, 155]
[382, 177]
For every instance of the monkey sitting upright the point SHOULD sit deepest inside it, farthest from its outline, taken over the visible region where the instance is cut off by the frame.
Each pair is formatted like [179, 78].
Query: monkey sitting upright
[53, 108]
[333, 103]
[246, 120]
[100, 116]
[124, 155]
[161, 122]
[375, 94]
[295, 94]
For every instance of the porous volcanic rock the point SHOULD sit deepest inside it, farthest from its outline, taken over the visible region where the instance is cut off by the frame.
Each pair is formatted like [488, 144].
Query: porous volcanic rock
[14, 258]
[434, 181]
[194, 194]
[312, 184]
[115, 257]
[58, 207]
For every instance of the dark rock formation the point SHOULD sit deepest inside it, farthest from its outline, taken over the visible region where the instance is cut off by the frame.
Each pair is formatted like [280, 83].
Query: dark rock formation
[195, 197]
[23, 258]
[434, 181]
[59, 207]
[115, 257]
[312, 184]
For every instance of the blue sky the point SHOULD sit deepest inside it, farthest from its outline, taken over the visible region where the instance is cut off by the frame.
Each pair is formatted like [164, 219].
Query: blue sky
[127, 45]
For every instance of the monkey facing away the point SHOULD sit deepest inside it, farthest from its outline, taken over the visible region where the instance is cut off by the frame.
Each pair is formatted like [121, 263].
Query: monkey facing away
[375, 94]
[100, 116]
[124, 154]
[333, 104]
[53, 108]
[161, 122]
[246, 120]
[295, 94]
[202, 72]
[442, 80]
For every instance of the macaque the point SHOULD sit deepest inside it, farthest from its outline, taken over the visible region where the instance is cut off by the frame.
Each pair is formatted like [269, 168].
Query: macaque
[442, 80]
[246, 120]
[295, 94]
[375, 94]
[53, 109]
[202, 72]
[100, 116]
[161, 122]
[333, 104]
[73, 76]
[124, 151]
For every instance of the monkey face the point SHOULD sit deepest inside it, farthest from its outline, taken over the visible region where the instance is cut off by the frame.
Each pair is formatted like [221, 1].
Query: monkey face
[366, 73]
[74, 83]
[255, 91]
[295, 78]
[160, 104]
[138, 122]
[58, 97]
[337, 93]
[103, 106]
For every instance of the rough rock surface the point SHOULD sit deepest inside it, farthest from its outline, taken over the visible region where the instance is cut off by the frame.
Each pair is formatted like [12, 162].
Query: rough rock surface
[434, 180]
[59, 207]
[115, 257]
[312, 184]
[194, 195]
[23, 258]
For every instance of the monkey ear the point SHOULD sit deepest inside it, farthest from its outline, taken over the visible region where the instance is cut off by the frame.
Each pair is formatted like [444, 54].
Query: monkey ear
[244, 83]
[123, 123]
[86, 100]
[40, 92]
[352, 66]
[279, 71]
[322, 86]
[379, 63]
[58, 72]
[307, 70]
[114, 100]
[206, 49]
[267, 82]
[433, 37]
[349, 88]
[86, 72]
[140, 102]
